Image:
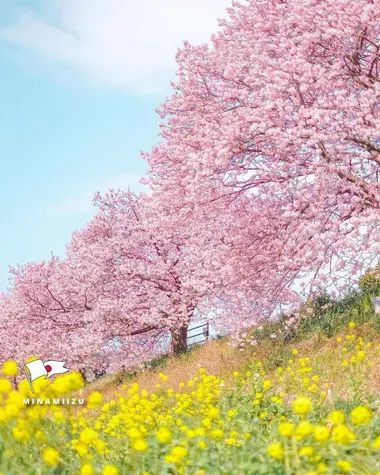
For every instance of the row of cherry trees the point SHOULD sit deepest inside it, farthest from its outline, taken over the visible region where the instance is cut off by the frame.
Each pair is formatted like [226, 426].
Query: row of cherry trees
[266, 182]
[135, 275]
[127, 280]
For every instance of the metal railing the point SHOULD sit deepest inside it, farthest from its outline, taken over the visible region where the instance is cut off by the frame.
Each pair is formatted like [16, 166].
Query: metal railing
[205, 333]
[376, 304]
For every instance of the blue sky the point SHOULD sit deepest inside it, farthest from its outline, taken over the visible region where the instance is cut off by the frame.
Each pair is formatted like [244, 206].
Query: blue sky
[59, 145]
[79, 86]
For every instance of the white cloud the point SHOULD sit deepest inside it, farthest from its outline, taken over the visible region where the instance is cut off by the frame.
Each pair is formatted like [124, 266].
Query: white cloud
[123, 43]
[83, 203]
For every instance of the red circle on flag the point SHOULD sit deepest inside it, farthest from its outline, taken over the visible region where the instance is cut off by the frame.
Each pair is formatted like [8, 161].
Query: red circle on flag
[48, 368]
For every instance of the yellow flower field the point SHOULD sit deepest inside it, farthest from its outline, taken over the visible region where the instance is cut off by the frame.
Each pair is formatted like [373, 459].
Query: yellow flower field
[309, 416]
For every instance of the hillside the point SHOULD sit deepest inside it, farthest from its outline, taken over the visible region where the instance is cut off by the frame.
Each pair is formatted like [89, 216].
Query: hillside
[304, 406]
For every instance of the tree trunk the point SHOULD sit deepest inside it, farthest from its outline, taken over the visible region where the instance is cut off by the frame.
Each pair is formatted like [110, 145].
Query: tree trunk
[179, 340]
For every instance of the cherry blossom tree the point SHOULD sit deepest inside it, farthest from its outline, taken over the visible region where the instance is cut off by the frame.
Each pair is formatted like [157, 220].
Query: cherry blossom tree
[129, 279]
[136, 274]
[47, 314]
[144, 267]
[283, 109]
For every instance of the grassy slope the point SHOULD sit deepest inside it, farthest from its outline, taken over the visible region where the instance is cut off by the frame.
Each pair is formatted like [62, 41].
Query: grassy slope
[315, 335]
[350, 385]
[225, 408]
[220, 359]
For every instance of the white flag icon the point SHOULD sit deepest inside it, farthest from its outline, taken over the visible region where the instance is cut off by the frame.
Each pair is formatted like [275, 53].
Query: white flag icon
[55, 367]
[38, 368]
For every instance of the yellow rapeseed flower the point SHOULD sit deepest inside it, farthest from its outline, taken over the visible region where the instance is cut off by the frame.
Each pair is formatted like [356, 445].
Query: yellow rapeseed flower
[40, 435]
[87, 469]
[303, 429]
[206, 422]
[286, 429]
[94, 400]
[110, 470]
[10, 368]
[230, 441]
[321, 433]
[20, 434]
[322, 467]
[5, 386]
[306, 451]
[164, 436]
[176, 454]
[337, 417]
[213, 412]
[361, 415]
[163, 376]
[217, 434]
[50, 456]
[139, 445]
[276, 450]
[267, 384]
[342, 435]
[376, 443]
[302, 405]
[344, 465]
[88, 436]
